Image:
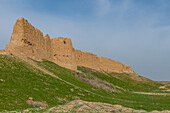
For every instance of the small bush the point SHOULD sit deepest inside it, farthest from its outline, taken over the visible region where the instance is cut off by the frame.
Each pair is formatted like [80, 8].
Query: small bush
[73, 73]
[72, 90]
[36, 103]
[85, 70]
[80, 94]
[75, 98]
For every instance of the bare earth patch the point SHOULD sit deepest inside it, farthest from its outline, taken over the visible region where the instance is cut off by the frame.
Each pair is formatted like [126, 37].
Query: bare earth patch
[167, 90]
[96, 107]
[166, 84]
[162, 87]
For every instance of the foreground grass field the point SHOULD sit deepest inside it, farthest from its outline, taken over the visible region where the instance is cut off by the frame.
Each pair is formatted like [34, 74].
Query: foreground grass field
[47, 82]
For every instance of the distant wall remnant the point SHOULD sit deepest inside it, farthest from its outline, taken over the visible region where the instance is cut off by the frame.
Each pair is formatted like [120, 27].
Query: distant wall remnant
[100, 63]
[27, 41]
[87, 59]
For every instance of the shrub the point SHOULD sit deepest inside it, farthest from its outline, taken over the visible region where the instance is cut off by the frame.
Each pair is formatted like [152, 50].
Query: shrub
[72, 90]
[75, 98]
[36, 103]
[73, 73]
[80, 94]
[85, 70]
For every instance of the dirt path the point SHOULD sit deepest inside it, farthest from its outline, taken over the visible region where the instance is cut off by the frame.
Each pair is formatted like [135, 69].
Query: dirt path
[150, 93]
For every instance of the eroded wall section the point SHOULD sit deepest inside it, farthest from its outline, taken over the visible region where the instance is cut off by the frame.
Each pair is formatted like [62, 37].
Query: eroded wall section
[100, 63]
[28, 41]
[63, 52]
[87, 59]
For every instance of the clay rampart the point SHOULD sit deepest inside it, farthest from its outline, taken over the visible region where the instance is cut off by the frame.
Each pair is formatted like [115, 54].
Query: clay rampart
[90, 60]
[63, 52]
[28, 41]
[87, 59]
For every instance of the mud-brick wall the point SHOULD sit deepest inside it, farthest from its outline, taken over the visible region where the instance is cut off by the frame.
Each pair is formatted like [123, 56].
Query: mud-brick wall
[63, 52]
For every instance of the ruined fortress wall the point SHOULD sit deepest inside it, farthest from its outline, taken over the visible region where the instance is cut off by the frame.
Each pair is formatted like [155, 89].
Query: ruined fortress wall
[87, 59]
[109, 65]
[100, 63]
[128, 69]
[27, 41]
[48, 47]
[63, 52]
[2, 50]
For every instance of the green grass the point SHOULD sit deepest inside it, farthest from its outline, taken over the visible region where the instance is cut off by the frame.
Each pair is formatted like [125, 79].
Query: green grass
[129, 82]
[20, 80]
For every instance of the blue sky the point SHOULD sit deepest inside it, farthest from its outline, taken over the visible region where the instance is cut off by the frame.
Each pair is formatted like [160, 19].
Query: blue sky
[135, 32]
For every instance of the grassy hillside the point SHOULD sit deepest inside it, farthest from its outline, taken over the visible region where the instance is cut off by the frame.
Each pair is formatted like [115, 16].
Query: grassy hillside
[20, 80]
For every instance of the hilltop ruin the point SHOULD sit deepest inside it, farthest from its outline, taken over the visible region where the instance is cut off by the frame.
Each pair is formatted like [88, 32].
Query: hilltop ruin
[28, 41]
